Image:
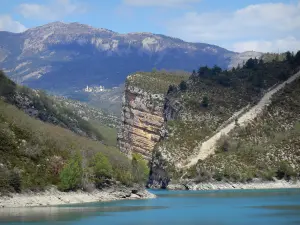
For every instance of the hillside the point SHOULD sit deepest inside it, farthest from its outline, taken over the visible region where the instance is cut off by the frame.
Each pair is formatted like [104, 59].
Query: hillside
[69, 114]
[47, 141]
[35, 155]
[266, 148]
[195, 110]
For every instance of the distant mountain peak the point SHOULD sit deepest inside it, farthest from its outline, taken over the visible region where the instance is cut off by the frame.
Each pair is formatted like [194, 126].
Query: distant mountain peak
[60, 27]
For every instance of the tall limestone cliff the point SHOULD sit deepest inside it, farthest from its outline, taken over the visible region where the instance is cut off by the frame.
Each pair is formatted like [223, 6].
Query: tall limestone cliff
[143, 111]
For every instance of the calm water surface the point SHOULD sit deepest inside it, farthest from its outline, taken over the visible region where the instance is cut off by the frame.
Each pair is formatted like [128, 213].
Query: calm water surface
[274, 207]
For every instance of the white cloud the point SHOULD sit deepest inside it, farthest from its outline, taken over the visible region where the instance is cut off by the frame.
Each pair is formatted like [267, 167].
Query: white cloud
[55, 10]
[281, 45]
[8, 24]
[160, 3]
[274, 23]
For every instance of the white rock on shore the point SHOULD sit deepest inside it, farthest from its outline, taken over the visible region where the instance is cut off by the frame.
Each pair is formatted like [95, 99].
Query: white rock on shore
[54, 197]
[278, 184]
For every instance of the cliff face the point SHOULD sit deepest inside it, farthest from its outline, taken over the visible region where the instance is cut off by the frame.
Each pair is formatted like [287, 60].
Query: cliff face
[142, 121]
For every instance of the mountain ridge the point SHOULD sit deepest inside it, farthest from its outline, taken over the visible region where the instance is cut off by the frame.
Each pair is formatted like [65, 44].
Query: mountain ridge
[47, 50]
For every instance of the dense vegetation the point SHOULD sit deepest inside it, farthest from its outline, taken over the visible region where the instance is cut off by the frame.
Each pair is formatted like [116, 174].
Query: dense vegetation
[209, 99]
[35, 154]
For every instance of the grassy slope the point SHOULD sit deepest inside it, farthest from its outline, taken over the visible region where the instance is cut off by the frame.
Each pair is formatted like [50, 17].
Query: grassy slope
[54, 110]
[37, 151]
[227, 93]
[269, 147]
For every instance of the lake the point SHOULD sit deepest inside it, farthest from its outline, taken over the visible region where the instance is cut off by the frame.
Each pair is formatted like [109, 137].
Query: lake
[259, 207]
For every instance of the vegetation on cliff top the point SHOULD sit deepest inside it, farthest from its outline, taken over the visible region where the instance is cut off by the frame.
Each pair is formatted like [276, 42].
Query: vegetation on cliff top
[156, 82]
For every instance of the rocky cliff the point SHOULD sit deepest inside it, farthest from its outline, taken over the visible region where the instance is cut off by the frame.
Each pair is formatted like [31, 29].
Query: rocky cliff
[142, 119]
[193, 112]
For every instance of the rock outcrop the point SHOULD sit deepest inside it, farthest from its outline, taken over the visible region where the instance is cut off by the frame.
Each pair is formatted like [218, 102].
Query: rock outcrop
[171, 122]
[142, 119]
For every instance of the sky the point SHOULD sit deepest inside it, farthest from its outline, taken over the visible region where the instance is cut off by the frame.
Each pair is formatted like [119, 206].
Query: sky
[238, 25]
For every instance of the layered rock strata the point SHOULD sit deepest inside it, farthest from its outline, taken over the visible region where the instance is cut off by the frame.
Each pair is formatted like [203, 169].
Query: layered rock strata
[142, 123]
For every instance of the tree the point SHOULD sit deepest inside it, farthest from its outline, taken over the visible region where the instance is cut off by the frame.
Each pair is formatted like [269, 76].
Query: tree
[15, 180]
[183, 86]
[216, 70]
[203, 71]
[194, 73]
[224, 80]
[250, 64]
[171, 89]
[205, 102]
[297, 58]
[71, 174]
[140, 169]
[7, 87]
[289, 57]
[102, 169]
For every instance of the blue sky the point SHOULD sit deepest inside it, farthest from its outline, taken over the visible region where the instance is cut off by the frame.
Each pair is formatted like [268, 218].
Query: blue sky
[239, 25]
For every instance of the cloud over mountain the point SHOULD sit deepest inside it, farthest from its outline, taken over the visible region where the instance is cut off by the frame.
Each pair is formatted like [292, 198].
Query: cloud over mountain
[264, 27]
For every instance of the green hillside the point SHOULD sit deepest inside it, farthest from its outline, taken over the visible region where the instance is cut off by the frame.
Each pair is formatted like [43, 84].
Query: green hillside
[40, 146]
[209, 99]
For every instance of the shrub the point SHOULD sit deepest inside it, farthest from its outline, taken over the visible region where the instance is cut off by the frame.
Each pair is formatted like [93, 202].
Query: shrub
[140, 169]
[102, 169]
[7, 87]
[224, 80]
[203, 175]
[15, 180]
[4, 180]
[71, 174]
[223, 143]
[125, 177]
[205, 102]
[268, 175]
[183, 86]
[285, 171]
[171, 88]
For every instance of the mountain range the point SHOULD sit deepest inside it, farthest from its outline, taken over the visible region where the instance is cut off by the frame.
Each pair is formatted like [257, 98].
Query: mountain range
[63, 57]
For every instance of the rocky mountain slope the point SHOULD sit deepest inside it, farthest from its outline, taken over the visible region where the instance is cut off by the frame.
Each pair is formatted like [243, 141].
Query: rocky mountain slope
[210, 101]
[65, 58]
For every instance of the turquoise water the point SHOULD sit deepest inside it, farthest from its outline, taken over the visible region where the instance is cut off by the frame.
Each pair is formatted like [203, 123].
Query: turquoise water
[274, 207]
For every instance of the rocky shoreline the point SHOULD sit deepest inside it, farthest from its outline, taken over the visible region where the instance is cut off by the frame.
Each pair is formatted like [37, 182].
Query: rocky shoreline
[219, 185]
[53, 197]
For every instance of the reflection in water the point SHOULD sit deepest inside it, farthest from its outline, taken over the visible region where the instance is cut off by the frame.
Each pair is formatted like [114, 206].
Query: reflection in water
[280, 207]
[268, 207]
[34, 214]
